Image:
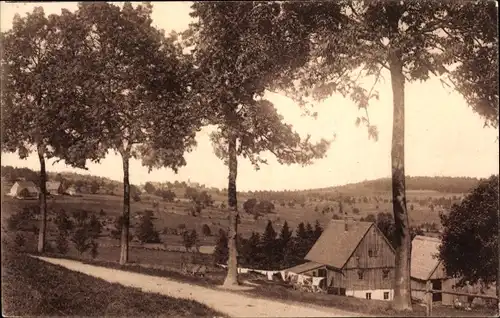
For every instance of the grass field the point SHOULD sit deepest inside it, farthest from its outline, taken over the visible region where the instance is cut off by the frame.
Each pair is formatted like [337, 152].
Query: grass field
[173, 215]
[31, 287]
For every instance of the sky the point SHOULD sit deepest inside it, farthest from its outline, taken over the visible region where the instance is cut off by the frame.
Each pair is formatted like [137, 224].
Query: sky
[443, 135]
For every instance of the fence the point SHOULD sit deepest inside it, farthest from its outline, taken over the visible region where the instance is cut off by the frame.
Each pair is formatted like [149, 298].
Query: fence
[429, 292]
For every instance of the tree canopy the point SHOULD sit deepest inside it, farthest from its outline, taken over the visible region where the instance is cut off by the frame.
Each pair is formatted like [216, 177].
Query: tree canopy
[236, 56]
[469, 246]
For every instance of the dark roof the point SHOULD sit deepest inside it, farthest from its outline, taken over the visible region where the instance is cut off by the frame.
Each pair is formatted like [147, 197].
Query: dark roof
[335, 246]
[309, 266]
[423, 256]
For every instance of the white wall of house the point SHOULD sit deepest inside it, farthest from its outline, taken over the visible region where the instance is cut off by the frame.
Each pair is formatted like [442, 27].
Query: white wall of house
[375, 293]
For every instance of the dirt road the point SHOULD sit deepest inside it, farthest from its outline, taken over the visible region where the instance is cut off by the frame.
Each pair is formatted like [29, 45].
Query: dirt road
[232, 304]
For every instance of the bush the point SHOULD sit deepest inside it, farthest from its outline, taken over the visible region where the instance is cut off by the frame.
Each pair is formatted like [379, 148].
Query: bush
[19, 241]
[62, 245]
[190, 239]
[206, 230]
[146, 232]
[87, 230]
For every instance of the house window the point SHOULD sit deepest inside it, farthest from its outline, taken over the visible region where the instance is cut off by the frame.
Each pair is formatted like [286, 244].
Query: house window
[385, 273]
[372, 253]
[360, 274]
[386, 295]
[368, 295]
[322, 272]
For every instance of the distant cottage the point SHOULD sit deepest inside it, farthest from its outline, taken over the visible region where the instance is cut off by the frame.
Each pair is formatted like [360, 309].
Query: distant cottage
[54, 187]
[355, 258]
[24, 189]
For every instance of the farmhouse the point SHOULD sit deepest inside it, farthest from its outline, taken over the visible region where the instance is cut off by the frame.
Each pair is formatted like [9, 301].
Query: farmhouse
[54, 187]
[426, 268]
[355, 258]
[24, 189]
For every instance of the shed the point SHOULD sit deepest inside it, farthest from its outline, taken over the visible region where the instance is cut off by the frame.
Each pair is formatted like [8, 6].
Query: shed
[358, 260]
[426, 267]
[24, 189]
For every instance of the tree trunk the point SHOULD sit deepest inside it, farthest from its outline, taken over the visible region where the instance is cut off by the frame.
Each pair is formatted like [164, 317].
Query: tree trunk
[232, 263]
[402, 287]
[126, 212]
[42, 233]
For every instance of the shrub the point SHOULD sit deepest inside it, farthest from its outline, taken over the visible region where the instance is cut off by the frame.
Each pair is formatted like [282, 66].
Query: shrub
[19, 241]
[116, 233]
[62, 245]
[189, 239]
[87, 230]
[206, 230]
[146, 232]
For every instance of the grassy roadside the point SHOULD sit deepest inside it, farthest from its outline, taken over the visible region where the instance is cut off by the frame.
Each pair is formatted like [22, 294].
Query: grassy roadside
[279, 292]
[31, 287]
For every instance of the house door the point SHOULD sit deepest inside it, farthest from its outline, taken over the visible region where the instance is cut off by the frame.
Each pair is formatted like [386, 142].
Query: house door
[436, 285]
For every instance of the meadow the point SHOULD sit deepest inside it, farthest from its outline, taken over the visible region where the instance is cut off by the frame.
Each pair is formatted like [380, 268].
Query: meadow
[172, 217]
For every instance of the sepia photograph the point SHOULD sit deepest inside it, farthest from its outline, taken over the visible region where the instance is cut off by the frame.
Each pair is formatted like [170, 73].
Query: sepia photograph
[250, 158]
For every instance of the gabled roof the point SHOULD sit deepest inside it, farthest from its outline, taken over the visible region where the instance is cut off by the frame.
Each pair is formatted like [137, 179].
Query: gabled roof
[335, 245]
[423, 256]
[52, 185]
[309, 266]
[30, 185]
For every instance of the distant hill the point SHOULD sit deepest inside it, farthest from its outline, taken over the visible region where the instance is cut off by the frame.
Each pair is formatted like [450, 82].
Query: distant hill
[437, 184]
[456, 185]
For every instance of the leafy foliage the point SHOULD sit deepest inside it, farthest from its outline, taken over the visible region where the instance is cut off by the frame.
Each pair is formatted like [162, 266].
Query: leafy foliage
[206, 230]
[146, 232]
[190, 239]
[236, 56]
[86, 231]
[413, 41]
[64, 227]
[167, 195]
[199, 199]
[41, 93]
[221, 248]
[469, 245]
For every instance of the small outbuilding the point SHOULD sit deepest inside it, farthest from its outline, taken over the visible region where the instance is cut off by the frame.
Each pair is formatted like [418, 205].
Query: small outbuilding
[426, 268]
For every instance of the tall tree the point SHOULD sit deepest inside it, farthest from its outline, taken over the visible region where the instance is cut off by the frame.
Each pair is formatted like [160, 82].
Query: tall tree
[318, 230]
[285, 240]
[412, 40]
[42, 80]
[469, 244]
[236, 56]
[269, 245]
[141, 80]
